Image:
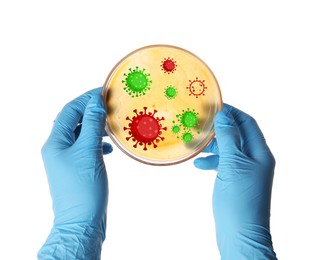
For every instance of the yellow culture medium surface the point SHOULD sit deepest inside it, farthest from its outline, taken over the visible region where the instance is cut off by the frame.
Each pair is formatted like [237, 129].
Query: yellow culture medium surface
[161, 101]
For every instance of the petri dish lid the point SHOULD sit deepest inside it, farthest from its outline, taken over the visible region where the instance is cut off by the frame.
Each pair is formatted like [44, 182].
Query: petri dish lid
[161, 101]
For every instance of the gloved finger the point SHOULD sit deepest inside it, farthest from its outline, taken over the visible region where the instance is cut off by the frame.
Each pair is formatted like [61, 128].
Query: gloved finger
[254, 143]
[207, 163]
[227, 132]
[106, 148]
[105, 133]
[67, 120]
[212, 147]
[93, 122]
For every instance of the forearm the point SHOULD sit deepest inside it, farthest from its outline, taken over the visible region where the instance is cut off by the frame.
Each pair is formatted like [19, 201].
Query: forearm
[72, 242]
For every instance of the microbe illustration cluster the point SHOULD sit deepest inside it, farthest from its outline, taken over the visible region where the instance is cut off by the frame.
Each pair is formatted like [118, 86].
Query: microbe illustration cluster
[186, 123]
[146, 128]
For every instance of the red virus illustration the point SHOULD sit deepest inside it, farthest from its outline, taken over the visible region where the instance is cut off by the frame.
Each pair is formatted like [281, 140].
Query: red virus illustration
[145, 129]
[168, 65]
[197, 87]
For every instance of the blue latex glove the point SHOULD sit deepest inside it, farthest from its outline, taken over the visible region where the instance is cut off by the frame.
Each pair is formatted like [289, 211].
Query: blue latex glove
[242, 191]
[73, 159]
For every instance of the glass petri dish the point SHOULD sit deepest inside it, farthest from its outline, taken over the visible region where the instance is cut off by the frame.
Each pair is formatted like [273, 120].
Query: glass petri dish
[161, 101]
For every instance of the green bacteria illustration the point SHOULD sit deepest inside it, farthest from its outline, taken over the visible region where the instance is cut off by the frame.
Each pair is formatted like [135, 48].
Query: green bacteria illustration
[136, 82]
[175, 129]
[186, 123]
[187, 137]
[171, 92]
[188, 119]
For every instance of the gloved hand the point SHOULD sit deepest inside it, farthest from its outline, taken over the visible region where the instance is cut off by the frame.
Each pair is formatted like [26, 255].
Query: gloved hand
[73, 159]
[242, 191]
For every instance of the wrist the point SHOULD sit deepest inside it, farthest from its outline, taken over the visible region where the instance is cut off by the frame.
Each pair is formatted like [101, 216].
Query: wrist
[71, 241]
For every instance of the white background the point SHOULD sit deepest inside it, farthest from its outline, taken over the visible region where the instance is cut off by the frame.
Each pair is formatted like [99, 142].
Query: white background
[263, 55]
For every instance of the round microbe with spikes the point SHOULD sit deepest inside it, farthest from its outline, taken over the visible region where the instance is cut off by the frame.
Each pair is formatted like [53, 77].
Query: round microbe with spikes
[168, 65]
[171, 92]
[187, 137]
[188, 118]
[136, 82]
[175, 129]
[145, 129]
[197, 87]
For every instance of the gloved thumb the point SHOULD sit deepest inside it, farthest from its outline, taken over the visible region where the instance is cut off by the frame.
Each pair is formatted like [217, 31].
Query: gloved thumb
[93, 121]
[227, 132]
[207, 163]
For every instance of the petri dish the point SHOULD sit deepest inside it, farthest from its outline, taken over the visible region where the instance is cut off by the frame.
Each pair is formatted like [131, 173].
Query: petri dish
[161, 101]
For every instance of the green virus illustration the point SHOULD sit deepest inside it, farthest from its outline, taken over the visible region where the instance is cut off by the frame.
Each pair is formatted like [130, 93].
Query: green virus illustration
[188, 119]
[186, 122]
[171, 92]
[136, 82]
[187, 137]
[175, 129]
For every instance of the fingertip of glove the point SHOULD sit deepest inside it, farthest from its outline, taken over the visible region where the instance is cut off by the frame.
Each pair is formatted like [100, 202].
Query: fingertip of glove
[198, 163]
[107, 148]
[207, 163]
[96, 104]
[224, 118]
[104, 133]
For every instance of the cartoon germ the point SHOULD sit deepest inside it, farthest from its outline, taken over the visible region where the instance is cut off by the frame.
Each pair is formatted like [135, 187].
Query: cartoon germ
[145, 129]
[188, 118]
[187, 122]
[171, 92]
[168, 65]
[136, 82]
[175, 129]
[197, 87]
[187, 137]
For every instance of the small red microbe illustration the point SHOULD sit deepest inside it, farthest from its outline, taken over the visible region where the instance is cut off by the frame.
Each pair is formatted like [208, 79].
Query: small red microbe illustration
[168, 65]
[145, 129]
[197, 87]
